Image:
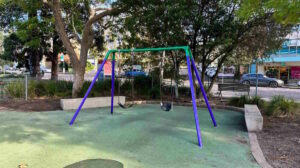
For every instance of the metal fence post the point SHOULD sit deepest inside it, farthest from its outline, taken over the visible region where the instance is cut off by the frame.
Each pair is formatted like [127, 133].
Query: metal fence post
[26, 87]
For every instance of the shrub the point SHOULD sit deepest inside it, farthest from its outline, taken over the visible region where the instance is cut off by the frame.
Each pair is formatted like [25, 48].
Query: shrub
[184, 91]
[40, 89]
[142, 84]
[258, 101]
[100, 88]
[241, 101]
[238, 101]
[126, 88]
[281, 106]
[32, 85]
[64, 86]
[154, 93]
[51, 88]
[15, 89]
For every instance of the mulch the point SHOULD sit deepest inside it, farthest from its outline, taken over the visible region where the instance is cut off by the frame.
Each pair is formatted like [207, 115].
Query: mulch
[280, 141]
[36, 105]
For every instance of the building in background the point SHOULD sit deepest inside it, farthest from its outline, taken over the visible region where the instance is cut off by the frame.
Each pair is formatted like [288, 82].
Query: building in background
[283, 64]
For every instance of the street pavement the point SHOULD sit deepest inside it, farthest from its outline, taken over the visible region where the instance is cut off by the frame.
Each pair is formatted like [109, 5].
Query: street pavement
[264, 92]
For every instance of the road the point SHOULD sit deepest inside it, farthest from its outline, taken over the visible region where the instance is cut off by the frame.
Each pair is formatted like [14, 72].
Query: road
[69, 77]
[264, 92]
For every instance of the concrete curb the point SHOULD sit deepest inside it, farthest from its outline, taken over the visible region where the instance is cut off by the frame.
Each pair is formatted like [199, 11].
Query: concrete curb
[254, 123]
[257, 152]
[94, 102]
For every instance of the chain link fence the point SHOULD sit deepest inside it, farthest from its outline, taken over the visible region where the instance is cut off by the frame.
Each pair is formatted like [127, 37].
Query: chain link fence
[14, 84]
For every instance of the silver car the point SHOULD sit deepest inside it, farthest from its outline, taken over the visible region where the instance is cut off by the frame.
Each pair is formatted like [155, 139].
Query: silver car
[263, 80]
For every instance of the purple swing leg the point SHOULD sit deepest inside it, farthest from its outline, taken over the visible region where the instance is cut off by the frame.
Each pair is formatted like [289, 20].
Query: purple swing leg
[112, 84]
[204, 94]
[88, 91]
[194, 102]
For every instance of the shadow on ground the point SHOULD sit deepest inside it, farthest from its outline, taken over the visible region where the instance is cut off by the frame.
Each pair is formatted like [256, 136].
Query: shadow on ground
[96, 163]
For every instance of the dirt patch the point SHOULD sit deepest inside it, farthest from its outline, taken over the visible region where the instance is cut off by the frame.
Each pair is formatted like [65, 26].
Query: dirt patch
[280, 142]
[31, 105]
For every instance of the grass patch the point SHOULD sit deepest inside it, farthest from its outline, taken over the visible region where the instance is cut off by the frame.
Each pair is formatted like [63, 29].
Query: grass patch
[280, 106]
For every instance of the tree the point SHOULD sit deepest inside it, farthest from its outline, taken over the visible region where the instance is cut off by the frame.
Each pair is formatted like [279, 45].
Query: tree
[82, 19]
[30, 25]
[284, 12]
[1, 42]
[13, 49]
[212, 28]
[155, 24]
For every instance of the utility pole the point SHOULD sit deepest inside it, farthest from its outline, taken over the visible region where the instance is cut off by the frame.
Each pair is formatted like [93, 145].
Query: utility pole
[256, 85]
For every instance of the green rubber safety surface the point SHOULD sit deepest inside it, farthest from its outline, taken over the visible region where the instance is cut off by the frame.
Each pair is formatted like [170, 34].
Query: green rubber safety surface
[143, 136]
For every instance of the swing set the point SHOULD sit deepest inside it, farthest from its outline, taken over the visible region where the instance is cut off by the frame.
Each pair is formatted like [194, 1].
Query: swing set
[190, 62]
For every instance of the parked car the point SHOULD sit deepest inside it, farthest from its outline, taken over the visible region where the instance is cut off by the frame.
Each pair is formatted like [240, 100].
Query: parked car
[44, 70]
[263, 80]
[210, 71]
[135, 72]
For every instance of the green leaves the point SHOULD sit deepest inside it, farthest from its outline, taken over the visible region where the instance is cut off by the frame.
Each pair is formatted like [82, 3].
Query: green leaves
[283, 11]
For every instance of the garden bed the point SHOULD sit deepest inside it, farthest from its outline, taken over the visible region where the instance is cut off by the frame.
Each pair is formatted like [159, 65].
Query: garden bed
[35, 105]
[280, 141]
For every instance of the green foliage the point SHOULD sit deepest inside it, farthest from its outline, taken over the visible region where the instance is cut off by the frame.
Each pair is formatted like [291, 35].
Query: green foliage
[101, 88]
[13, 48]
[89, 66]
[154, 93]
[40, 89]
[281, 107]
[286, 12]
[142, 84]
[272, 73]
[31, 27]
[126, 87]
[15, 89]
[241, 101]
[5, 62]
[1, 42]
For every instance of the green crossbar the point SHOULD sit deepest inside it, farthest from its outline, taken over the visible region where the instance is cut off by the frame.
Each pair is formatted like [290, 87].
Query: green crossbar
[185, 48]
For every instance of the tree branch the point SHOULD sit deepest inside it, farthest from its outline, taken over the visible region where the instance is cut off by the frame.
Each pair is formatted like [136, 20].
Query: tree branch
[75, 34]
[101, 9]
[95, 17]
[47, 3]
[60, 28]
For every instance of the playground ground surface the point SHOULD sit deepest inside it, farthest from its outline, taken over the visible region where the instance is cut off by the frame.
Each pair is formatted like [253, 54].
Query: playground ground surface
[142, 136]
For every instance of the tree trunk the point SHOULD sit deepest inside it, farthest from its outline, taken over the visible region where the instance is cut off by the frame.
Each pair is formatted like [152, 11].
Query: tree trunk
[54, 67]
[213, 80]
[35, 63]
[78, 60]
[78, 80]
[57, 47]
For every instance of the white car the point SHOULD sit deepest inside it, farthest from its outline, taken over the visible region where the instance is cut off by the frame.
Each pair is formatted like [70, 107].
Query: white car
[44, 69]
